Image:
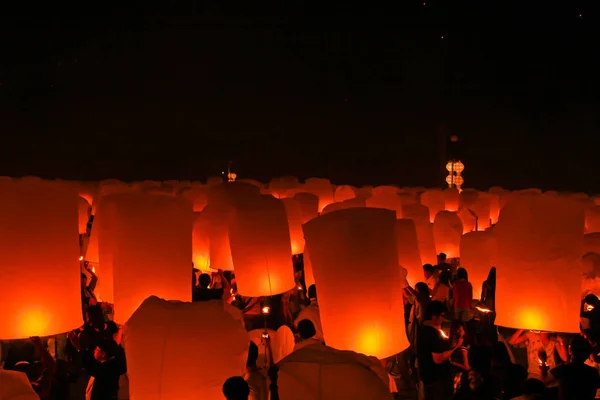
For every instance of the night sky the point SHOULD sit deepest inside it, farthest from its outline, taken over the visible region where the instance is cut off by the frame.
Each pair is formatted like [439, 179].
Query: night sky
[361, 93]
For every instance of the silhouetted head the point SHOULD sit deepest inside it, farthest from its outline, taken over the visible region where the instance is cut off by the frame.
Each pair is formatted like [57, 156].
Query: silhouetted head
[580, 349]
[236, 388]
[204, 280]
[435, 312]
[312, 291]
[252, 355]
[306, 329]
[462, 274]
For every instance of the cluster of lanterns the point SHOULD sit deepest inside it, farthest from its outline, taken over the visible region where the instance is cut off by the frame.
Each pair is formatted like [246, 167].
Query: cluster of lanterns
[454, 178]
[360, 245]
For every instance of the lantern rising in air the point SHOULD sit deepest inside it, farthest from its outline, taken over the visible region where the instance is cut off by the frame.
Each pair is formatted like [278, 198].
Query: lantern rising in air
[355, 251]
[454, 178]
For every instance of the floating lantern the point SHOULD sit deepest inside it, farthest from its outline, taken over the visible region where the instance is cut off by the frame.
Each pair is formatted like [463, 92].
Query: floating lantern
[591, 243]
[309, 277]
[494, 207]
[384, 190]
[352, 203]
[426, 242]
[343, 192]
[468, 219]
[592, 219]
[103, 264]
[259, 236]
[85, 211]
[39, 290]
[355, 262]
[540, 240]
[152, 249]
[201, 243]
[197, 196]
[365, 191]
[294, 214]
[171, 329]
[468, 198]
[386, 200]
[282, 187]
[451, 199]
[409, 255]
[434, 200]
[477, 255]
[416, 212]
[481, 208]
[447, 230]
[322, 188]
[309, 205]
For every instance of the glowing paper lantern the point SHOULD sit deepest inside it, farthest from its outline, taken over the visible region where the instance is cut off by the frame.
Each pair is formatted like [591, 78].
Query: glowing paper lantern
[260, 247]
[451, 197]
[201, 243]
[309, 205]
[219, 209]
[365, 192]
[151, 238]
[591, 243]
[426, 242]
[409, 254]
[592, 219]
[447, 230]
[468, 219]
[352, 203]
[434, 200]
[540, 239]
[309, 277]
[280, 187]
[39, 252]
[481, 208]
[343, 192]
[477, 255]
[171, 329]
[103, 264]
[197, 196]
[14, 385]
[84, 215]
[386, 200]
[416, 212]
[494, 200]
[468, 198]
[385, 190]
[322, 188]
[294, 214]
[356, 248]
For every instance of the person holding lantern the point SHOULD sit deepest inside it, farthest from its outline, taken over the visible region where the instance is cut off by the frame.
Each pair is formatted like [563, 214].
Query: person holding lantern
[540, 351]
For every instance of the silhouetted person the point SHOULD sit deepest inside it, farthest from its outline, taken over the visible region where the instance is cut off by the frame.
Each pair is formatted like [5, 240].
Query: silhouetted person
[236, 388]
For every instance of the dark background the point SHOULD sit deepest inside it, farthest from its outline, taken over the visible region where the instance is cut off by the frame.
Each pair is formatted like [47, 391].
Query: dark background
[361, 93]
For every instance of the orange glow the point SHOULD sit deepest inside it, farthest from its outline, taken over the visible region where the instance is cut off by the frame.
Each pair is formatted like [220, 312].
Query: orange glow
[343, 192]
[478, 254]
[172, 370]
[352, 203]
[356, 248]
[94, 269]
[443, 334]
[283, 186]
[468, 220]
[483, 310]
[592, 219]
[85, 211]
[494, 200]
[104, 221]
[389, 201]
[322, 188]
[409, 255]
[157, 262]
[201, 243]
[451, 199]
[588, 307]
[433, 199]
[417, 212]
[540, 242]
[309, 205]
[309, 278]
[259, 237]
[481, 208]
[447, 231]
[426, 243]
[40, 289]
[265, 310]
[80, 258]
[294, 214]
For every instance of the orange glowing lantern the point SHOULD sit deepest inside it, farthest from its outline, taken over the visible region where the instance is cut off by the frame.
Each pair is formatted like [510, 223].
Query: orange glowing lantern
[309, 205]
[426, 242]
[409, 254]
[294, 214]
[540, 240]
[447, 230]
[385, 190]
[201, 243]
[591, 243]
[259, 236]
[451, 198]
[352, 203]
[364, 191]
[354, 258]
[171, 329]
[481, 208]
[197, 196]
[434, 200]
[322, 188]
[468, 219]
[219, 209]
[468, 198]
[592, 219]
[477, 255]
[39, 290]
[309, 277]
[416, 212]
[494, 200]
[343, 193]
[103, 264]
[151, 238]
[281, 187]
[85, 211]
[385, 199]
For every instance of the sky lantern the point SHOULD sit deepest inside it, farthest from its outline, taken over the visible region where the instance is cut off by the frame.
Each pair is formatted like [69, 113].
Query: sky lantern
[468, 219]
[447, 230]
[309, 277]
[352, 203]
[494, 200]
[196, 195]
[39, 258]
[259, 236]
[408, 198]
[343, 192]
[294, 214]
[592, 219]
[168, 344]
[201, 242]
[152, 248]
[85, 210]
[426, 242]
[364, 191]
[220, 206]
[309, 205]
[540, 242]
[417, 212]
[280, 187]
[355, 262]
[481, 208]
[384, 190]
[591, 243]
[387, 200]
[409, 255]
[467, 198]
[321, 188]
[434, 200]
[478, 254]
[451, 199]
[102, 261]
